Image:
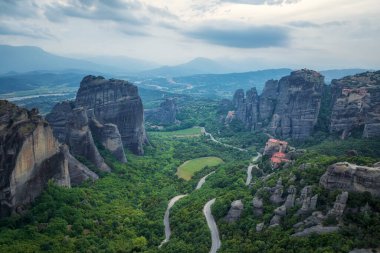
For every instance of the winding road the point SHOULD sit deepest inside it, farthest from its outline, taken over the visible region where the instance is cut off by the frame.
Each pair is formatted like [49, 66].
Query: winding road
[166, 218]
[203, 180]
[203, 131]
[216, 243]
[250, 167]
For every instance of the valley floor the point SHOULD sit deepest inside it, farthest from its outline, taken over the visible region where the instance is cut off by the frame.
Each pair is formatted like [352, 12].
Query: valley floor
[124, 210]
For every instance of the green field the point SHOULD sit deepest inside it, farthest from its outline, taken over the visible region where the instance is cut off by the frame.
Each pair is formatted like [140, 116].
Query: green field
[189, 132]
[188, 168]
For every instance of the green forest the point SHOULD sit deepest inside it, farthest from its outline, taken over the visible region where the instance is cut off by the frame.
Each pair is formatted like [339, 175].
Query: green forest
[123, 210]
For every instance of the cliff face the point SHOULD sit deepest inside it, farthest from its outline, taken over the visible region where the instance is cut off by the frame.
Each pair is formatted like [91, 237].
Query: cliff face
[268, 101]
[288, 108]
[29, 157]
[356, 104]
[247, 107]
[298, 104]
[165, 114]
[108, 135]
[351, 177]
[71, 126]
[117, 102]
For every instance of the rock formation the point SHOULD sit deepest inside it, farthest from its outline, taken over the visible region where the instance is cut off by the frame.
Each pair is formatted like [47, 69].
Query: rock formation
[356, 104]
[165, 114]
[339, 205]
[260, 227]
[30, 156]
[268, 99]
[319, 229]
[316, 218]
[235, 211]
[290, 199]
[247, 107]
[288, 108]
[71, 126]
[350, 177]
[258, 208]
[117, 102]
[298, 104]
[108, 135]
[277, 191]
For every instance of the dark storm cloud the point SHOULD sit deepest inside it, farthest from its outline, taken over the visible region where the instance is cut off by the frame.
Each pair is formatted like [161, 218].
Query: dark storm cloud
[261, 2]
[242, 37]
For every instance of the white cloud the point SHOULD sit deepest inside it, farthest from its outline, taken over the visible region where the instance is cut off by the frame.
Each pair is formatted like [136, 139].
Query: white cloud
[336, 33]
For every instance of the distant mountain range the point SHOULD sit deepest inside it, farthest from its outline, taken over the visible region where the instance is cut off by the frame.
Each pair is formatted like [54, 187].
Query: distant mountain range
[193, 67]
[27, 58]
[23, 59]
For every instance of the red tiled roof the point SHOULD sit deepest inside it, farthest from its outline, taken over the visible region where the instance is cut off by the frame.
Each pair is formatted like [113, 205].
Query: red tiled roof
[275, 160]
[279, 155]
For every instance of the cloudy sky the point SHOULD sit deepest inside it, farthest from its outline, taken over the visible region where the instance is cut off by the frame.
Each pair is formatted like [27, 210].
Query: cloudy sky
[317, 34]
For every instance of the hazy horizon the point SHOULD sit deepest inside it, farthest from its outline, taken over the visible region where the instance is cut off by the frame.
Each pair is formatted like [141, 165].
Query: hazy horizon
[265, 34]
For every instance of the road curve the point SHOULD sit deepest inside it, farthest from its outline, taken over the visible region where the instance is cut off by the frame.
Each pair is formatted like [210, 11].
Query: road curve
[203, 180]
[249, 174]
[250, 167]
[216, 243]
[166, 218]
[203, 131]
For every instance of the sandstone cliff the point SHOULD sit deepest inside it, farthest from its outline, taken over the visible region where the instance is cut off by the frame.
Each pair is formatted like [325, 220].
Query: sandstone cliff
[350, 177]
[288, 108]
[356, 104]
[71, 126]
[165, 114]
[29, 157]
[298, 104]
[117, 102]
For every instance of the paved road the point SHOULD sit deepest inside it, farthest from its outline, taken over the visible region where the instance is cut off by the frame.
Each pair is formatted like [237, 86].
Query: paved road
[203, 130]
[250, 167]
[203, 180]
[166, 218]
[216, 243]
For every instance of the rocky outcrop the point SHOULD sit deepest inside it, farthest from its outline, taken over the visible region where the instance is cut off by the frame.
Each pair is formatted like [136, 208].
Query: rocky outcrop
[258, 208]
[235, 211]
[307, 202]
[350, 177]
[290, 199]
[273, 146]
[316, 218]
[247, 107]
[288, 108]
[268, 100]
[319, 230]
[298, 104]
[108, 135]
[78, 172]
[339, 205]
[165, 114]
[277, 191]
[260, 227]
[356, 104]
[275, 221]
[30, 156]
[117, 102]
[71, 126]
